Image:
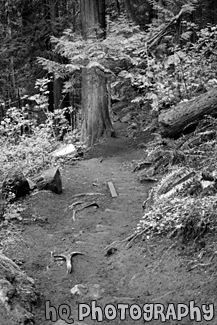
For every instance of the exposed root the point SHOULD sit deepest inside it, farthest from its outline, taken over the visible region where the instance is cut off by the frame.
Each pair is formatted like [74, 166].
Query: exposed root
[204, 264]
[67, 258]
[84, 207]
[119, 241]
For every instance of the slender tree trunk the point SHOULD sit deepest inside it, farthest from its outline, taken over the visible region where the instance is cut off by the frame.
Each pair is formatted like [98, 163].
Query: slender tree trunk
[212, 12]
[118, 7]
[13, 94]
[57, 84]
[95, 113]
[131, 11]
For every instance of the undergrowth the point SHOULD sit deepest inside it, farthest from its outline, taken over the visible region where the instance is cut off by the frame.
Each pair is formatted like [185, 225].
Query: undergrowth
[29, 152]
[184, 201]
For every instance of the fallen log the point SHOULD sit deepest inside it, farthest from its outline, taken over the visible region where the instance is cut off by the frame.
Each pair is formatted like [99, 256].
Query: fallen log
[173, 121]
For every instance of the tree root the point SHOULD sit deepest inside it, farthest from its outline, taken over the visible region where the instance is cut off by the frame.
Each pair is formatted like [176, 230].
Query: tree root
[67, 258]
[83, 207]
[203, 264]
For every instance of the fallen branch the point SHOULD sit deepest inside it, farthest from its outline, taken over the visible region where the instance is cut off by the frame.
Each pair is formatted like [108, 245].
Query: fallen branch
[156, 38]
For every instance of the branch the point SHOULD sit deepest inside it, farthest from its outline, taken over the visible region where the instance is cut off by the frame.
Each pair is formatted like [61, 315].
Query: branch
[155, 39]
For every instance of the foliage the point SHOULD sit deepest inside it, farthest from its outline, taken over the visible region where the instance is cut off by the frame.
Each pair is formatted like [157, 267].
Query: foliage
[170, 216]
[181, 65]
[25, 31]
[30, 154]
[171, 73]
[183, 203]
[188, 71]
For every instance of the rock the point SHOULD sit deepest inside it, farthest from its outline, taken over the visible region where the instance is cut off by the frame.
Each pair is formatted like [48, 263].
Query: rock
[90, 291]
[49, 180]
[79, 289]
[65, 150]
[15, 185]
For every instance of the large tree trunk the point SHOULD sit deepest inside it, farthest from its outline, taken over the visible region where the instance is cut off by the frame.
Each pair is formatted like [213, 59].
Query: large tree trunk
[173, 121]
[95, 113]
[96, 119]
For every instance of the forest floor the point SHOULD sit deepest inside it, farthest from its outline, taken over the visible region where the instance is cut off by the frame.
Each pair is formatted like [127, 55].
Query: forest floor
[151, 271]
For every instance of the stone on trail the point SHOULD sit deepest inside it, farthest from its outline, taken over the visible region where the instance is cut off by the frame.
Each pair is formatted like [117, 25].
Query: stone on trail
[90, 291]
[49, 180]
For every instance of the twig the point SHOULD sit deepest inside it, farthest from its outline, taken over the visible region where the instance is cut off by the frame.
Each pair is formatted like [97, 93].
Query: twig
[67, 258]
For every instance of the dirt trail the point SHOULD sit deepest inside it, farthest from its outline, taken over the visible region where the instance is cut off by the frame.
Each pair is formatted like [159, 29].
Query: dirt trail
[151, 271]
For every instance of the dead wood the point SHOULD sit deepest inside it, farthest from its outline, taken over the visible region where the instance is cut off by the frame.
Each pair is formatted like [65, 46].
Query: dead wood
[173, 121]
[156, 38]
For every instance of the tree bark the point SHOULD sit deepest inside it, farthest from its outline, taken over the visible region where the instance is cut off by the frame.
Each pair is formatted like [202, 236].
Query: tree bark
[173, 121]
[95, 113]
[96, 119]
